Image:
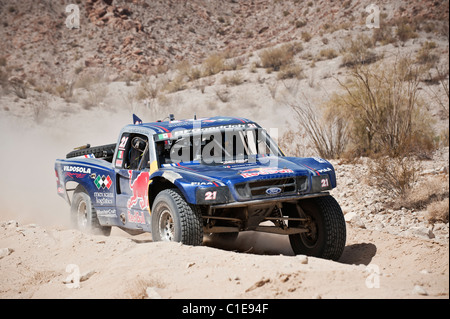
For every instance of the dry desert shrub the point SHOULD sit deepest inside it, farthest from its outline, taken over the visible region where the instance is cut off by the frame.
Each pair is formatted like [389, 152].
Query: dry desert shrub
[233, 80]
[275, 58]
[290, 143]
[327, 54]
[433, 189]
[395, 176]
[405, 30]
[213, 64]
[177, 84]
[438, 211]
[147, 89]
[385, 110]
[291, 71]
[359, 52]
[326, 126]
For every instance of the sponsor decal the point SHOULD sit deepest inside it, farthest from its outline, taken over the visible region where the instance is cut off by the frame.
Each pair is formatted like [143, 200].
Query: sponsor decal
[201, 183]
[75, 175]
[206, 129]
[320, 160]
[139, 189]
[103, 182]
[77, 169]
[104, 198]
[164, 136]
[106, 212]
[324, 183]
[265, 171]
[136, 217]
[123, 143]
[324, 170]
[211, 195]
[273, 191]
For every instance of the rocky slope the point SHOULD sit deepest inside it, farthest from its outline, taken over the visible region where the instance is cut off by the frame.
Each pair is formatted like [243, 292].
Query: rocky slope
[148, 36]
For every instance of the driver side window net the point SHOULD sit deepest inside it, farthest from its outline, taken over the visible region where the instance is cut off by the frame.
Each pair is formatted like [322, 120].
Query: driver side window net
[133, 152]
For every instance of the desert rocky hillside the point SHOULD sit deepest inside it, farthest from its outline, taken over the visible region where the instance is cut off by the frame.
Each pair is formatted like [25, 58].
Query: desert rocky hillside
[266, 60]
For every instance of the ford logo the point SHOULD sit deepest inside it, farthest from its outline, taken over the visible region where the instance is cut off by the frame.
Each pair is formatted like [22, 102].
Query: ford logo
[273, 191]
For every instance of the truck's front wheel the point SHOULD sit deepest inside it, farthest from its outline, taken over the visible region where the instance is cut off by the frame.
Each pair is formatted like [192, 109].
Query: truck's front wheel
[84, 216]
[326, 233]
[174, 219]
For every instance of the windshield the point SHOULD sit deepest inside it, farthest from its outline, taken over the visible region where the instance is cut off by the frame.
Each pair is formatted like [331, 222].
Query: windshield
[216, 146]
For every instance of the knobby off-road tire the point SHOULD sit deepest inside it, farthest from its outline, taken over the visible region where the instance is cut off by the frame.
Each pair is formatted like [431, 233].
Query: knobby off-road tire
[327, 231]
[84, 216]
[174, 219]
[105, 152]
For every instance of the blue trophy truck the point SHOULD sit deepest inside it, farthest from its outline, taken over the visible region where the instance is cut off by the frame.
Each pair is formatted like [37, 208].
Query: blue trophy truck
[218, 176]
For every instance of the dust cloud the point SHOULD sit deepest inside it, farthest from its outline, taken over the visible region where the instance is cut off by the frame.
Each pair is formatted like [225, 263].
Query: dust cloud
[28, 180]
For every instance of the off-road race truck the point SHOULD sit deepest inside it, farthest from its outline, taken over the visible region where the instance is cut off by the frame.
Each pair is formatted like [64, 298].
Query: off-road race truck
[218, 176]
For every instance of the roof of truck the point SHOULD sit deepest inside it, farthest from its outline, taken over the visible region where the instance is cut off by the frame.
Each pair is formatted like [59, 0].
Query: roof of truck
[169, 126]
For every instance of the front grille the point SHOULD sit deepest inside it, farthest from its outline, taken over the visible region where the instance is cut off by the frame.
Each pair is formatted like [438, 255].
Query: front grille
[258, 189]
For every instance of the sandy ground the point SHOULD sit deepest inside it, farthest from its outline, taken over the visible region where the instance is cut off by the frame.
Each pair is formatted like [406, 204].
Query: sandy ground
[43, 261]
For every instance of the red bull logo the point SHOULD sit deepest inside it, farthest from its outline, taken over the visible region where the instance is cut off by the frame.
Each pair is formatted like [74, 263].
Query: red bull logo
[139, 187]
[265, 171]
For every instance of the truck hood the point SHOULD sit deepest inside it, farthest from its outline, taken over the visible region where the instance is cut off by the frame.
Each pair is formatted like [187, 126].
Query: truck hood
[266, 167]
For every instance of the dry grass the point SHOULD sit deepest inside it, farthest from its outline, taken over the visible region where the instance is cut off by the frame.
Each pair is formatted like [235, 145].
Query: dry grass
[405, 30]
[425, 54]
[438, 211]
[233, 80]
[358, 52]
[434, 188]
[213, 64]
[175, 85]
[327, 54]
[395, 176]
[275, 58]
[291, 71]
[431, 195]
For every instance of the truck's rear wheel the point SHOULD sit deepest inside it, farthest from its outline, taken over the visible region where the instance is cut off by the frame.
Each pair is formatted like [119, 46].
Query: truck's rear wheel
[326, 233]
[173, 219]
[84, 216]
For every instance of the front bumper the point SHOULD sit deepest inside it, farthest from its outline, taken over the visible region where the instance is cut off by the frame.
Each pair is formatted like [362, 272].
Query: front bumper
[263, 191]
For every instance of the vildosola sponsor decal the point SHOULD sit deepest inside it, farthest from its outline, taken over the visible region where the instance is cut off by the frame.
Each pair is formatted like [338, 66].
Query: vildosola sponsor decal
[77, 169]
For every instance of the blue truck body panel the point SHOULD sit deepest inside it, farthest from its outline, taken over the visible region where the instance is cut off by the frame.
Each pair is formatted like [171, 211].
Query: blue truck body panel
[121, 196]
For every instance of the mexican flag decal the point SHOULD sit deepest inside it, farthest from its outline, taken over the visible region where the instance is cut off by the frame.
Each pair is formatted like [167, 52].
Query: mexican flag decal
[103, 182]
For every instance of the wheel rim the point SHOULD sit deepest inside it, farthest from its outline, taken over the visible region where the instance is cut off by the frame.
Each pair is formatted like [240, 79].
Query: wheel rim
[82, 215]
[310, 238]
[166, 226]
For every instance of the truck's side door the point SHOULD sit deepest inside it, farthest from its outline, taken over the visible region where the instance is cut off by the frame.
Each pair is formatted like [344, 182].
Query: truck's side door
[132, 164]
